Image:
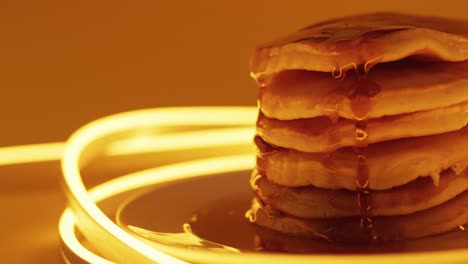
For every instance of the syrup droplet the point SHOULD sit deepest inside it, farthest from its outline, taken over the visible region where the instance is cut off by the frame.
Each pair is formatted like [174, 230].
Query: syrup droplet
[194, 218]
[360, 102]
[256, 176]
[339, 72]
[250, 215]
[360, 132]
[259, 78]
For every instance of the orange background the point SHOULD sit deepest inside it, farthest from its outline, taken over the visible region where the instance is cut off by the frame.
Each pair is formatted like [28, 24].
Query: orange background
[65, 63]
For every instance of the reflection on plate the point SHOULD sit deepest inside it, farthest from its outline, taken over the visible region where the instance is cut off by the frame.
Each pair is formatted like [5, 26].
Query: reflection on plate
[207, 213]
[195, 208]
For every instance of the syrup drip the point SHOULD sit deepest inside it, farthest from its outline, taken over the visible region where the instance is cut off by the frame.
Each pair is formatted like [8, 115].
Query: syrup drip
[257, 205]
[340, 72]
[251, 214]
[261, 79]
[256, 175]
[359, 95]
[360, 103]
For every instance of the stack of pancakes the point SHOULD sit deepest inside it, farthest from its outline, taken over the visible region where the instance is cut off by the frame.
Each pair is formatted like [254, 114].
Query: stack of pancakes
[361, 133]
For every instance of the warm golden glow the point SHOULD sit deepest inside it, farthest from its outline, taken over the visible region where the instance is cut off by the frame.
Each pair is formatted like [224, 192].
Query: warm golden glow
[67, 233]
[149, 177]
[82, 203]
[31, 153]
[103, 233]
[180, 141]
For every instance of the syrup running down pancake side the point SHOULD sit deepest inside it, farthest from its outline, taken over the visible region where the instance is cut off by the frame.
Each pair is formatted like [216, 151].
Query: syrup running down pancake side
[359, 94]
[309, 124]
[360, 106]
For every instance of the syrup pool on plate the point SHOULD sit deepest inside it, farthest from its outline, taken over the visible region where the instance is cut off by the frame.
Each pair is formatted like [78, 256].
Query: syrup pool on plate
[209, 213]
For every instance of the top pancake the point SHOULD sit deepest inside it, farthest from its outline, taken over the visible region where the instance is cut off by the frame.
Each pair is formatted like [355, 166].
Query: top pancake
[342, 44]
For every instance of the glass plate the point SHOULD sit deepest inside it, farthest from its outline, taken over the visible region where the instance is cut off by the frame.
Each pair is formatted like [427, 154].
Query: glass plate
[170, 189]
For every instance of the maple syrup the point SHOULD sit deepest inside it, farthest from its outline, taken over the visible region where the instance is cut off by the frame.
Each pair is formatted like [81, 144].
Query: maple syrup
[218, 217]
[359, 94]
[360, 103]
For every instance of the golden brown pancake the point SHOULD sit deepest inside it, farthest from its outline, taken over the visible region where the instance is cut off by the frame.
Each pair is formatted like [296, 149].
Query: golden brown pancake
[390, 163]
[320, 134]
[341, 44]
[401, 87]
[439, 219]
[312, 202]
[346, 153]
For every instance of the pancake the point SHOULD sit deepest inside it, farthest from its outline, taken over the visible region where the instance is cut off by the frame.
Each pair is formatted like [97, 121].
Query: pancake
[341, 44]
[311, 202]
[403, 87]
[320, 134]
[445, 217]
[390, 163]
[362, 129]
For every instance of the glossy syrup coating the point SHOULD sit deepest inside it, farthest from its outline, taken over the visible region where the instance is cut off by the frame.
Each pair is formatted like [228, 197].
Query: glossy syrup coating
[339, 45]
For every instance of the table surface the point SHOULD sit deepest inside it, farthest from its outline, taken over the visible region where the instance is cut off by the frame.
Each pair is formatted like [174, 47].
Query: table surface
[31, 203]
